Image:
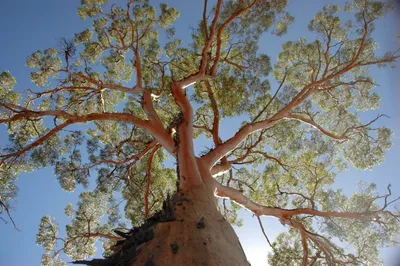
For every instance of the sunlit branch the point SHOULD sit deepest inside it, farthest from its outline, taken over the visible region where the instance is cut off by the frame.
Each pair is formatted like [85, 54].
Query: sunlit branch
[113, 86]
[288, 217]
[147, 103]
[220, 169]
[201, 73]
[239, 198]
[215, 155]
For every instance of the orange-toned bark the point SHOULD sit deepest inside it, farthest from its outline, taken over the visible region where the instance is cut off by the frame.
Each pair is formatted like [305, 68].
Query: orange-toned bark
[198, 236]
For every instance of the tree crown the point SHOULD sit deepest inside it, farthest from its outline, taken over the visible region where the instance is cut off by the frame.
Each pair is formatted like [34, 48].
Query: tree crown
[144, 99]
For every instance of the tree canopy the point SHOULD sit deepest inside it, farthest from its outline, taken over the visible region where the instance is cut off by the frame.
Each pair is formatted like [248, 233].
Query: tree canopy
[119, 109]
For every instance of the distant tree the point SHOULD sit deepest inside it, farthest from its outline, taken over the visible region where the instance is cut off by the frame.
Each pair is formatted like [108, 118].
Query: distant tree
[145, 100]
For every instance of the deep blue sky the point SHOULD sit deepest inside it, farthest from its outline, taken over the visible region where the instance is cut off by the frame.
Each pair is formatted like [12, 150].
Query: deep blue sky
[27, 26]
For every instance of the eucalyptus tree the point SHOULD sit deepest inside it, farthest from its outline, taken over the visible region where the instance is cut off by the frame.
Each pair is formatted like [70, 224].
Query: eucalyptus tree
[144, 100]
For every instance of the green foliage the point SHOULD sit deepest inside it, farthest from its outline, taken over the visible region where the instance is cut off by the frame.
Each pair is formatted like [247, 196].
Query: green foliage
[48, 229]
[167, 16]
[90, 8]
[83, 37]
[49, 260]
[7, 84]
[47, 63]
[282, 25]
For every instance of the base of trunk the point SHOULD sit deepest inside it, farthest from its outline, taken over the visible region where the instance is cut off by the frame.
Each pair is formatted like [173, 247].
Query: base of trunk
[189, 231]
[198, 236]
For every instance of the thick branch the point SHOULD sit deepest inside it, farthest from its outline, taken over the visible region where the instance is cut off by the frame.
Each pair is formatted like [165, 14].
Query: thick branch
[239, 198]
[189, 173]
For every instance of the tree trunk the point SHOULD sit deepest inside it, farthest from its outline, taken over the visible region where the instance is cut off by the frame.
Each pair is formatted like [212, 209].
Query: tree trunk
[198, 235]
[188, 231]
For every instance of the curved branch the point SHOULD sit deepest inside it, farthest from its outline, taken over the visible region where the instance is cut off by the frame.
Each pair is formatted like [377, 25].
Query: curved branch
[238, 197]
[318, 127]
[305, 248]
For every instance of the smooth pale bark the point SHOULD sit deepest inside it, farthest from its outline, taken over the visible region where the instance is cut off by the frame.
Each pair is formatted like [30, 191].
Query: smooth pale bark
[189, 174]
[214, 245]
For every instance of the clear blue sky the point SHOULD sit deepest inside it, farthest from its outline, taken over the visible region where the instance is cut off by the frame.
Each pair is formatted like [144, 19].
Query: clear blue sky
[27, 26]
